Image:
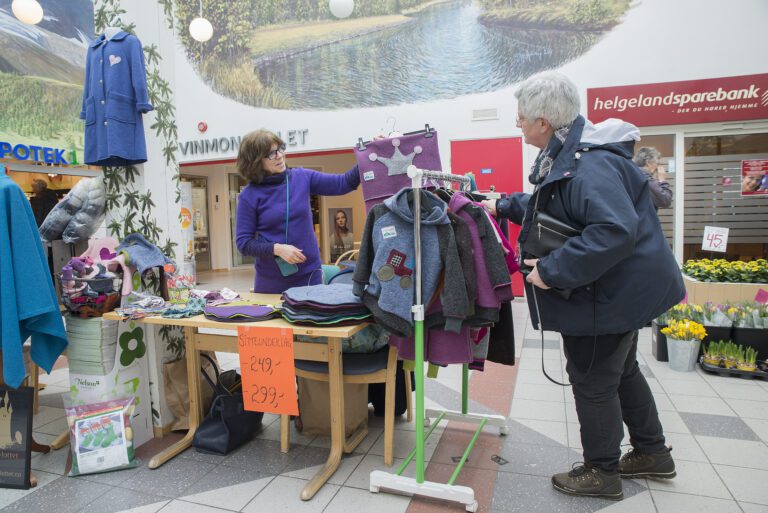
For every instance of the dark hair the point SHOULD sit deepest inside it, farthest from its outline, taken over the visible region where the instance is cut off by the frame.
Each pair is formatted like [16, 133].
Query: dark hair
[254, 147]
[338, 232]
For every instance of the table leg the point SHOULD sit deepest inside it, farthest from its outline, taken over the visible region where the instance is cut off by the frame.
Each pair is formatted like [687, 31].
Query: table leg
[61, 440]
[195, 402]
[336, 390]
[285, 433]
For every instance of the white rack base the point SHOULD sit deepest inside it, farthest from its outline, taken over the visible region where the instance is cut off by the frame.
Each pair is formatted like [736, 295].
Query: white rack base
[408, 485]
[498, 421]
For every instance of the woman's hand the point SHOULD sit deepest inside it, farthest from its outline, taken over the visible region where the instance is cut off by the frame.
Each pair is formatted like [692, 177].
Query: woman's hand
[490, 204]
[290, 254]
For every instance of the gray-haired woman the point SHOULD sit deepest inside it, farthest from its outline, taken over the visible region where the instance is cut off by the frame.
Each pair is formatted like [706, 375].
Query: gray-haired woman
[649, 160]
[621, 272]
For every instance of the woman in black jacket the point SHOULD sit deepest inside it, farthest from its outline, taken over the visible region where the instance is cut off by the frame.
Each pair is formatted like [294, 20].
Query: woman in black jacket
[619, 268]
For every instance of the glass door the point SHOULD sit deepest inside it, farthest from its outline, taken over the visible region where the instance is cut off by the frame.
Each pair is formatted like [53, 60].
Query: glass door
[236, 185]
[200, 222]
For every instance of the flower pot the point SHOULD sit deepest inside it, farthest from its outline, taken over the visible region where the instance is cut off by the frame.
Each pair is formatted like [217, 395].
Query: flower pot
[756, 338]
[712, 361]
[682, 354]
[659, 342]
[746, 367]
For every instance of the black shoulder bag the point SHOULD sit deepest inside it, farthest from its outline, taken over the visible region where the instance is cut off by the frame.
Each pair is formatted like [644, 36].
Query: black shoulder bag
[228, 425]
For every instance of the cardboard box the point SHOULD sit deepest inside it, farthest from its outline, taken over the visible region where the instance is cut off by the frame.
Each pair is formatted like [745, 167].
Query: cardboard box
[699, 292]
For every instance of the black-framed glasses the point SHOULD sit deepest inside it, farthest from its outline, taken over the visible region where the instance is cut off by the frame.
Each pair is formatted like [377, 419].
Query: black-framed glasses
[272, 155]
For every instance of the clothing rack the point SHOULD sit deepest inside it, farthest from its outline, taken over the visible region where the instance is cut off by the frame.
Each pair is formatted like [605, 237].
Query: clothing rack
[418, 486]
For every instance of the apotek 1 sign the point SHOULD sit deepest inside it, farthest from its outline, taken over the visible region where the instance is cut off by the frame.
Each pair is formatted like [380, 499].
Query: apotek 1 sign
[36, 153]
[679, 103]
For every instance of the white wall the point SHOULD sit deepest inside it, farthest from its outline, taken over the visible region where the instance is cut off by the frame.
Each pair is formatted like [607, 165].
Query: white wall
[659, 41]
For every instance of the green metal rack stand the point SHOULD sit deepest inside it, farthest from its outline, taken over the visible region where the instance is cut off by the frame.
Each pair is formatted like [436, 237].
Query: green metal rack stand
[418, 486]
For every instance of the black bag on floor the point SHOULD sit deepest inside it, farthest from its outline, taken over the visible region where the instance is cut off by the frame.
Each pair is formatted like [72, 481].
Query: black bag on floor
[376, 394]
[228, 425]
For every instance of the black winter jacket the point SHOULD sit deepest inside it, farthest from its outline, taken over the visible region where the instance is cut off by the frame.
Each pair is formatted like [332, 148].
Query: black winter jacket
[621, 259]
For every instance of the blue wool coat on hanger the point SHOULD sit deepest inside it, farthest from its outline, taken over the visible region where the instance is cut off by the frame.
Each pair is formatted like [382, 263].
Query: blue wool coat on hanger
[28, 304]
[114, 99]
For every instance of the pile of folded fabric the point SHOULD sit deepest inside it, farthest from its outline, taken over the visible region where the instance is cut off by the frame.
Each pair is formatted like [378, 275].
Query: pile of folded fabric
[323, 305]
[240, 312]
[92, 345]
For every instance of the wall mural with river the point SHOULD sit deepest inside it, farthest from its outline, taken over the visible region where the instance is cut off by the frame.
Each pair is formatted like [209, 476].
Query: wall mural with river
[293, 54]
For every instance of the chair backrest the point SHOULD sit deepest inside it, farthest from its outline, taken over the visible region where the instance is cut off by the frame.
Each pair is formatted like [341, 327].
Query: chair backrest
[347, 255]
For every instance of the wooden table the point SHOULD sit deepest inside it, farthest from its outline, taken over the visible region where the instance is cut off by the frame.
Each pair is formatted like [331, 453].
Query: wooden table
[330, 353]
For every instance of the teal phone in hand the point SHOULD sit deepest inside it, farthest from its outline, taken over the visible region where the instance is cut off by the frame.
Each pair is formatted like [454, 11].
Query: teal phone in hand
[286, 269]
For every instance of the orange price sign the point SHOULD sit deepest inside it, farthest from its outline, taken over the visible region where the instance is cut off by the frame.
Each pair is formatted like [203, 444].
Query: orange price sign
[269, 374]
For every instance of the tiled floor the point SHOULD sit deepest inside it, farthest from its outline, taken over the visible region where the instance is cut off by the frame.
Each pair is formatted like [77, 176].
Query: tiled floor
[717, 426]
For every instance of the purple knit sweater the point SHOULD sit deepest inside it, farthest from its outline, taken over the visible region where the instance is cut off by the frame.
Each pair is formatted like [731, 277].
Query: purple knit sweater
[261, 219]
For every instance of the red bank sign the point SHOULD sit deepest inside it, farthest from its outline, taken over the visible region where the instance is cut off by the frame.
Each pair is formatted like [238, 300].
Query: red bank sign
[679, 103]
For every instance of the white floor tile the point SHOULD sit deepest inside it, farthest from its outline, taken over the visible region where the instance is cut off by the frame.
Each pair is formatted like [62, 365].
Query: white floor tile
[748, 391]
[709, 405]
[549, 392]
[535, 377]
[672, 422]
[685, 447]
[534, 353]
[693, 478]
[688, 387]
[749, 409]
[282, 494]
[570, 413]
[681, 503]
[233, 497]
[748, 507]
[46, 415]
[663, 403]
[759, 426]
[373, 434]
[574, 436]
[537, 410]
[354, 500]
[556, 431]
[745, 484]
[737, 453]
[404, 442]
[654, 385]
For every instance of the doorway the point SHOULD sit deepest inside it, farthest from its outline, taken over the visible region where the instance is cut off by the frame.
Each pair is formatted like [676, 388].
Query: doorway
[200, 221]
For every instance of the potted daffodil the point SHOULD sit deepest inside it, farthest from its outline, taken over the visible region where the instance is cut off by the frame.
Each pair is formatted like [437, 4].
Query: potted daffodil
[683, 341]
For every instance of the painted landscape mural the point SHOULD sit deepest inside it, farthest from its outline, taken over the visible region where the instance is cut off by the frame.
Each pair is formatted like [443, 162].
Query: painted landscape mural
[41, 74]
[293, 54]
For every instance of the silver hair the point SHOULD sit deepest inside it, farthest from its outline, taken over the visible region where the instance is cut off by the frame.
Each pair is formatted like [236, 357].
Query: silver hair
[551, 96]
[647, 155]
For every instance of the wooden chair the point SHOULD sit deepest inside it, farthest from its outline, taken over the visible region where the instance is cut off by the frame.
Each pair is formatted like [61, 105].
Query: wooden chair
[378, 367]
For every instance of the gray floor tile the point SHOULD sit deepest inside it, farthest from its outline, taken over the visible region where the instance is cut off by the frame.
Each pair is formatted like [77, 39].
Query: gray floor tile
[738, 453]
[536, 343]
[55, 428]
[119, 499]
[347, 467]
[262, 456]
[537, 432]
[222, 493]
[46, 415]
[115, 478]
[360, 478]
[169, 480]
[53, 461]
[179, 506]
[534, 494]
[63, 495]
[667, 502]
[746, 485]
[536, 460]
[718, 425]
[282, 495]
[9, 496]
[353, 500]
[760, 427]
[53, 400]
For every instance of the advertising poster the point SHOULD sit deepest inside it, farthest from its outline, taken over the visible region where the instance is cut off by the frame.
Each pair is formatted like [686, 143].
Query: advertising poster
[15, 436]
[754, 177]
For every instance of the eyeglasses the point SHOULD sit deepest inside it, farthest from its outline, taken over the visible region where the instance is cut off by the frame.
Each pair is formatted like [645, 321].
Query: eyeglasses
[272, 155]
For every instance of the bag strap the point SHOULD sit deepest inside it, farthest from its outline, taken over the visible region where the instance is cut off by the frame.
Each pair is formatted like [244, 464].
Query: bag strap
[217, 386]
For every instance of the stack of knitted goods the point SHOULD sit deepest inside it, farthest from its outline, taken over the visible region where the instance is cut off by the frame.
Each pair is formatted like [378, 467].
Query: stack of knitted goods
[323, 305]
[240, 312]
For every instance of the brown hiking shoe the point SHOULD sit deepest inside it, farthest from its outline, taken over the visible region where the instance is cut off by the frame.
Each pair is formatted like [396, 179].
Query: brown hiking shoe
[636, 464]
[588, 481]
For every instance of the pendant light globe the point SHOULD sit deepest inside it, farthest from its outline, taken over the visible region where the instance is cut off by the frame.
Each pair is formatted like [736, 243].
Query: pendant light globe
[341, 8]
[201, 29]
[27, 11]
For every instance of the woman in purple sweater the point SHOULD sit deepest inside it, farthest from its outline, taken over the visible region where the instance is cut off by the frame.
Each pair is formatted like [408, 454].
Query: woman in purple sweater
[274, 218]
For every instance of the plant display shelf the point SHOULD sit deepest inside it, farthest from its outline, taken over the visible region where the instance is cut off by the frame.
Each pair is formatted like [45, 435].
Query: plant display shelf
[734, 373]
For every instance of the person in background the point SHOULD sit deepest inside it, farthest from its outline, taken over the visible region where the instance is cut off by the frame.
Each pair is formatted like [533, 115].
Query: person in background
[342, 239]
[648, 159]
[621, 272]
[274, 217]
[43, 201]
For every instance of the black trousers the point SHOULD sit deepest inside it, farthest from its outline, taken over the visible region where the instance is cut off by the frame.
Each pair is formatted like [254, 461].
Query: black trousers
[614, 390]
